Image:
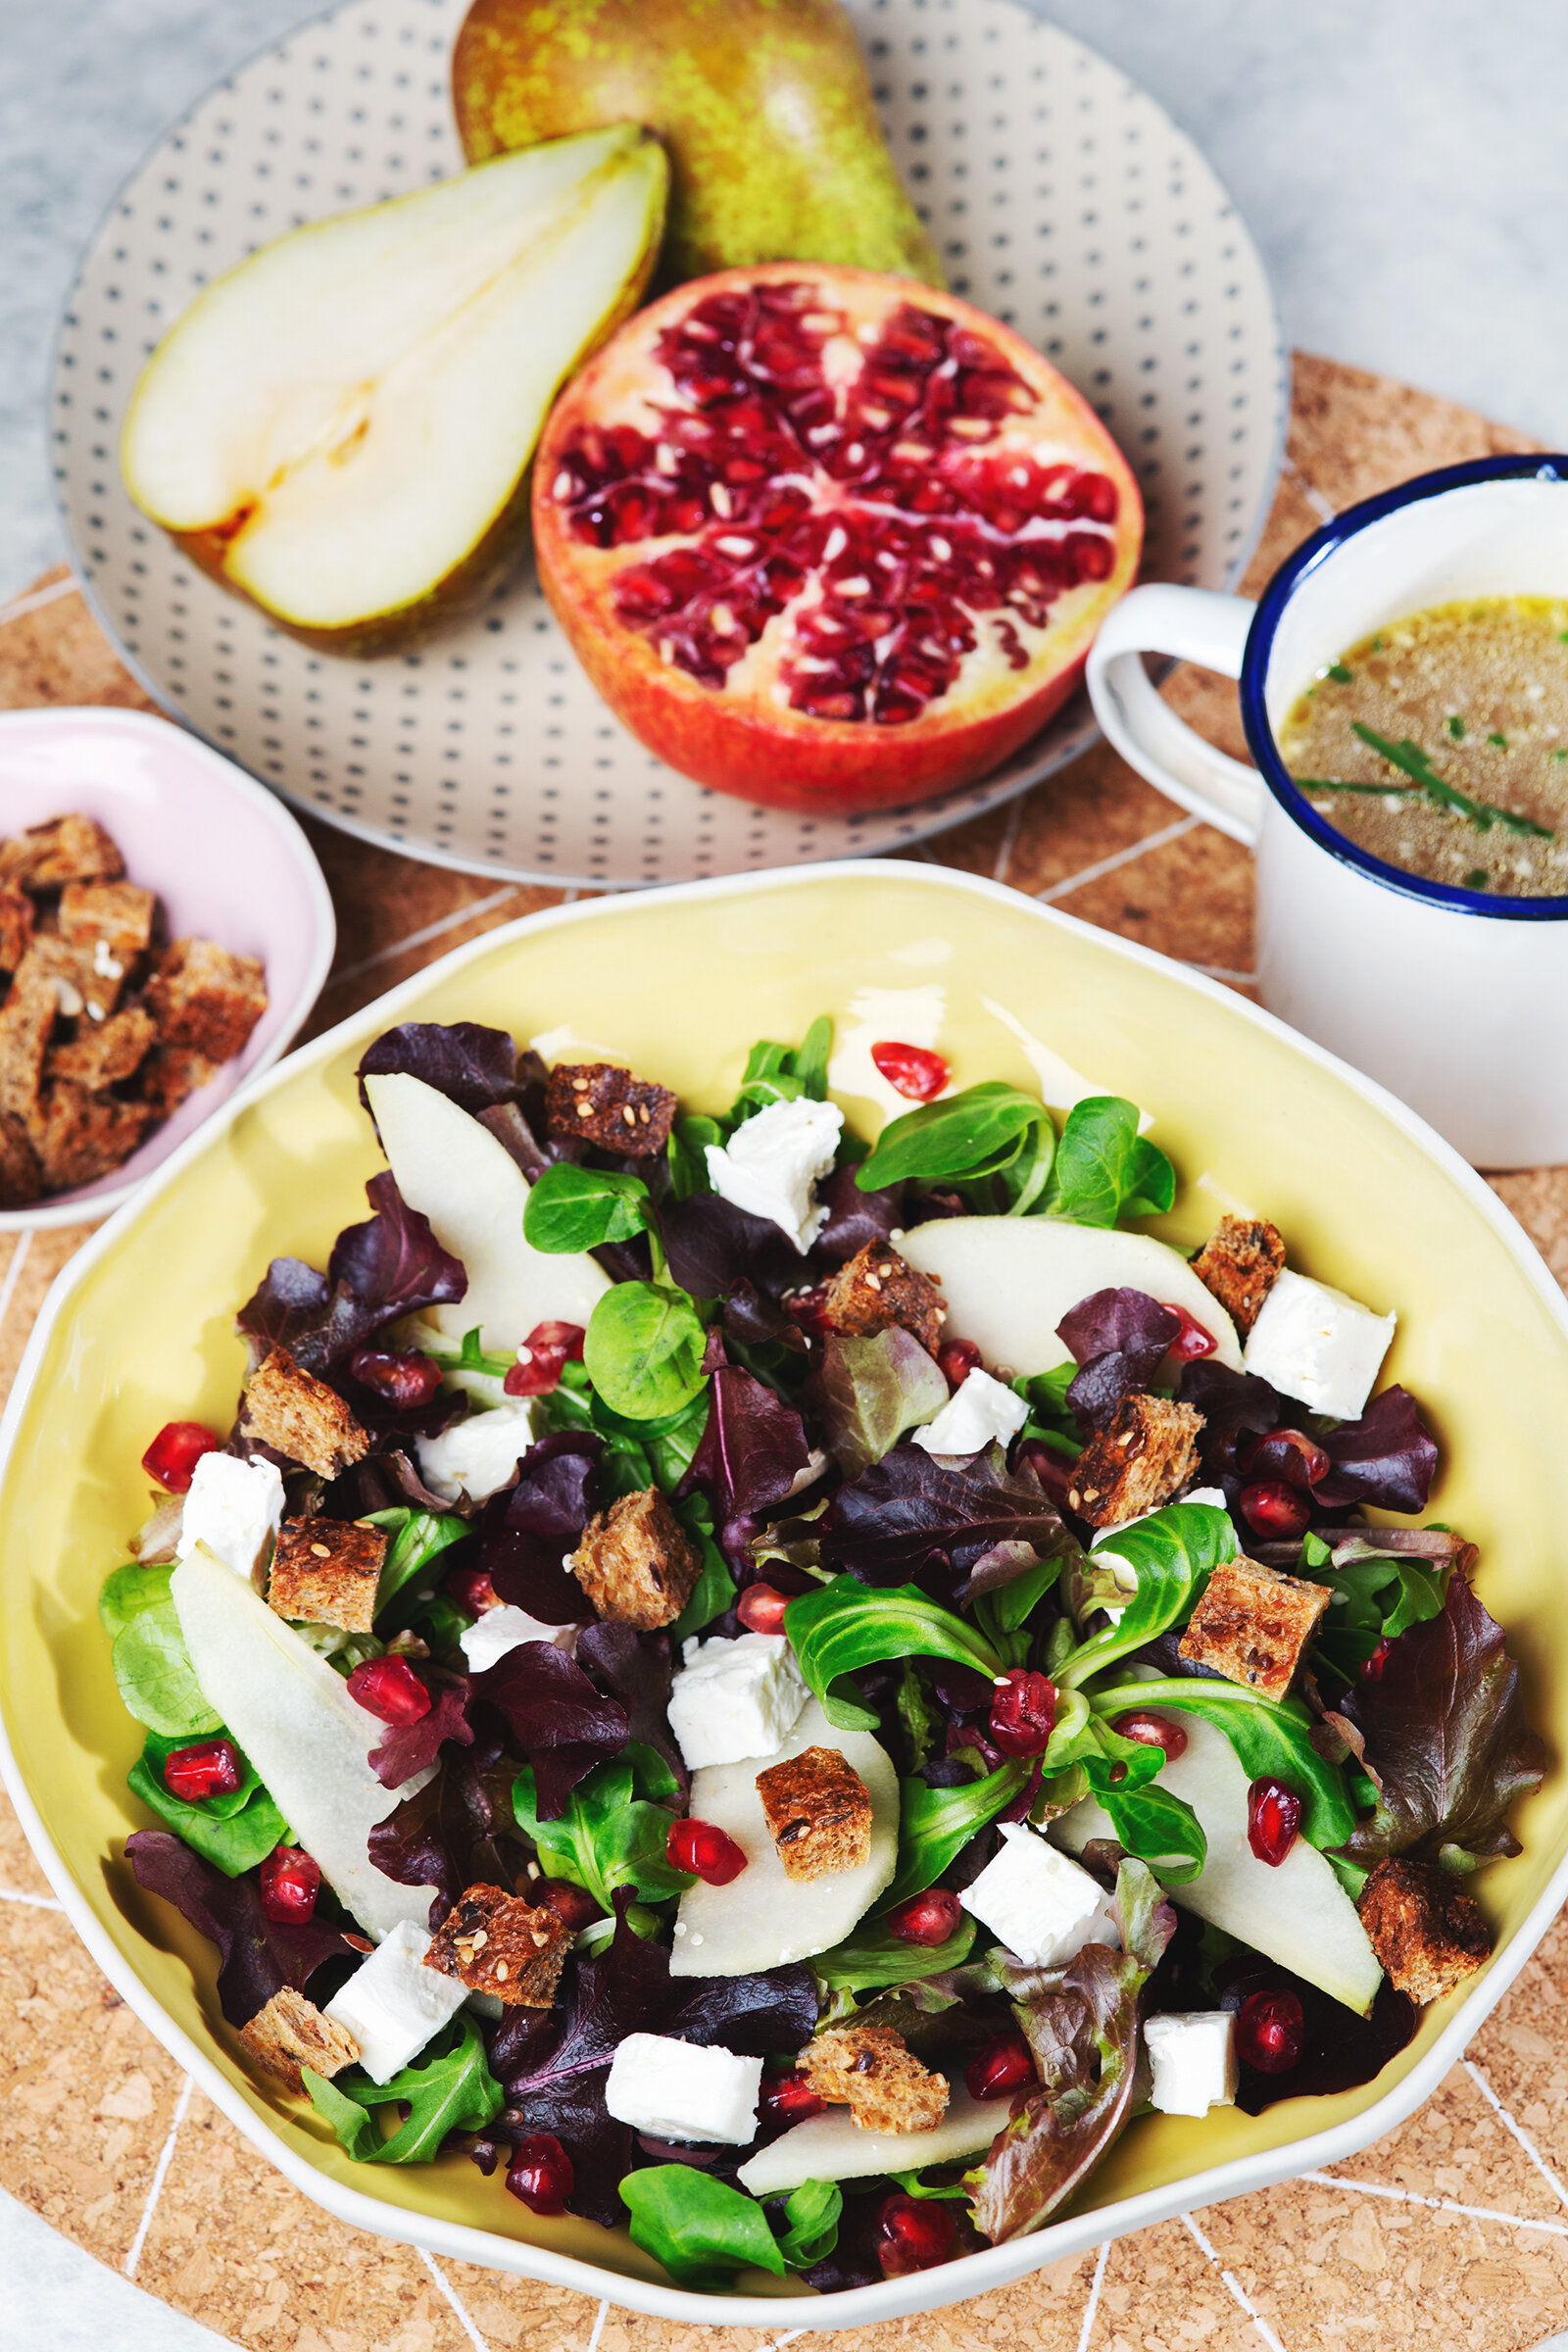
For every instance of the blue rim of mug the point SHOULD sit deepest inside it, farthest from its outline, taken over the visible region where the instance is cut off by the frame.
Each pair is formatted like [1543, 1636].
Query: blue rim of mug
[1307, 559]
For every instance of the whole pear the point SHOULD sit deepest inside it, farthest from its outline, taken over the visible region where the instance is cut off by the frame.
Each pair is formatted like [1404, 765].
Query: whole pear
[763, 106]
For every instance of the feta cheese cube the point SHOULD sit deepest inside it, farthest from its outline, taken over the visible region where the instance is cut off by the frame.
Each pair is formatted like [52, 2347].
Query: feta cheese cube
[393, 2004]
[771, 1164]
[982, 1412]
[478, 1453]
[498, 1631]
[236, 1508]
[734, 1699]
[675, 2090]
[1038, 1902]
[1193, 2053]
[1318, 1346]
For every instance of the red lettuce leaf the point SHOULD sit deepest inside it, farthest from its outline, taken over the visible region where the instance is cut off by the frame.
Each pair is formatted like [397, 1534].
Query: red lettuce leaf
[1386, 1459]
[475, 1067]
[259, 1955]
[1234, 1405]
[753, 1448]
[544, 1516]
[910, 1509]
[855, 1219]
[390, 1267]
[406, 1748]
[555, 1716]
[639, 1670]
[1119, 1337]
[862, 1394]
[458, 1830]
[1444, 1724]
[712, 1245]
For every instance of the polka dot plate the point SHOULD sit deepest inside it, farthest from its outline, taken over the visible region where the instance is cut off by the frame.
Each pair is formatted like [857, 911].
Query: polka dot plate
[1062, 200]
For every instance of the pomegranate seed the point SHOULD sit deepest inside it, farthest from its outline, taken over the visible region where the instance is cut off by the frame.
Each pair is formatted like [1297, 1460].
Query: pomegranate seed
[472, 1591]
[787, 2099]
[572, 1904]
[542, 1358]
[1273, 1818]
[1287, 1453]
[913, 2235]
[211, 1768]
[174, 1452]
[540, 2173]
[406, 1380]
[956, 1360]
[390, 1689]
[1273, 1508]
[706, 1851]
[1153, 1731]
[1000, 2069]
[1270, 2032]
[1023, 1713]
[1192, 1341]
[762, 1610]
[290, 1884]
[1372, 1671]
[929, 1918]
[809, 1308]
[911, 1070]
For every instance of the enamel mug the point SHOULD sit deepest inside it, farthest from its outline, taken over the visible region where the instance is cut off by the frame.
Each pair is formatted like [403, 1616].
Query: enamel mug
[1455, 999]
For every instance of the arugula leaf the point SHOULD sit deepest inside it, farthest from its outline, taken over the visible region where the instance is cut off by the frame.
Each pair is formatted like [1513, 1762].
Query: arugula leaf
[154, 1676]
[129, 1591]
[984, 1131]
[1172, 1553]
[606, 1836]
[848, 1624]
[935, 1825]
[811, 2223]
[700, 2228]
[415, 1538]
[571, 1209]
[233, 1832]
[865, 1392]
[873, 1957]
[1105, 1170]
[454, 2090]
[644, 1350]
[1269, 1736]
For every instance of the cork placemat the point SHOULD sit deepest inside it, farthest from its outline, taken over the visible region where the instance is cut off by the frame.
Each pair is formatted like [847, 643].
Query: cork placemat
[1452, 2232]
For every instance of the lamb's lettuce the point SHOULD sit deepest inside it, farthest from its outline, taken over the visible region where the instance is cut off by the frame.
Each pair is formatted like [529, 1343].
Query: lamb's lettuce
[873, 1957]
[233, 1832]
[1105, 1171]
[848, 1625]
[1172, 1553]
[644, 1350]
[153, 1673]
[700, 2228]
[1272, 1738]
[609, 1834]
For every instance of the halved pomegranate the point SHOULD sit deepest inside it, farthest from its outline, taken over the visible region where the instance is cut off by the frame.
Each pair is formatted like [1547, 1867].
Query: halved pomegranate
[827, 539]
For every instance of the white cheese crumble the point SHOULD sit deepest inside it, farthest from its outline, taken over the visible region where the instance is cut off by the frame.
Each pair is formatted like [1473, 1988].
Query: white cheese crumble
[1192, 2054]
[773, 1162]
[478, 1453]
[676, 2090]
[393, 2004]
[1318, 1346]
[984, 1411]
[734, 1699]
[1038, 1902]
[236, 1508]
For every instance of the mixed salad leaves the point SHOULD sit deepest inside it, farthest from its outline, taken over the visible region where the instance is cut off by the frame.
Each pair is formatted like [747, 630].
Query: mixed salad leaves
[627, 1636]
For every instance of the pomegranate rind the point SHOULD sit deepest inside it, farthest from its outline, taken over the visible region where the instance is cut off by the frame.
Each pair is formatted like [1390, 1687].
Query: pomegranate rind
[752, 743]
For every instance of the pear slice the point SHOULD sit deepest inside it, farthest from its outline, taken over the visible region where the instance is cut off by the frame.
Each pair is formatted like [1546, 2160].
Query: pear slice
[307, 1738]
[1295, 1912]
[1009, 1281]
[833, 2147]
[340, 426]
[454, 1172]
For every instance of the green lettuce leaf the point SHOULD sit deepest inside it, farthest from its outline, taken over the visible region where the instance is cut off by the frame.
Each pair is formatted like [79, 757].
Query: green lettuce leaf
[700, 2228]
[452, 2092]
[1172, 1553]
[848, 1624]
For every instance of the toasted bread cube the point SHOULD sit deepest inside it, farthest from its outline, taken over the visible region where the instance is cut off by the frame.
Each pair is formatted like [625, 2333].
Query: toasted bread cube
[1253, 1625]
[300, 1416]
[875, 1291]
[1239, 1265]
[113, 916]
[817, 1811]
[26, 1023]
[1143, 1457]
[204, 998]
[21, 1177]
[868, 2068]
[89, 983]
[171, 1072]
[106, 1054]
[602, 1104]
[78, 1136]
[291, 2033]
[15, 926]
[1427, 1931]
[636, 1562]
[495, 1942]
[68, 849]
[325, 1571]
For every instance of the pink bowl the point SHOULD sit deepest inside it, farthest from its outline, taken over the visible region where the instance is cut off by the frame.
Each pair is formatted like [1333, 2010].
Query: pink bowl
[226, 859]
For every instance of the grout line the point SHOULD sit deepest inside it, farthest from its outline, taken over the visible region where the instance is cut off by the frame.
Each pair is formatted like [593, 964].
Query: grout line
[22, 605]
[1093, 2304]
[1120, 857]
[166, 2155]
[1311, 493]
[419, 939]
[454, 2298]
[599, 2317]
[1238, 2293]
[1010, 839]
[1411, 2197]
[39, 1902]
[1515, 2130]
[779, 2343]
[8, 1287]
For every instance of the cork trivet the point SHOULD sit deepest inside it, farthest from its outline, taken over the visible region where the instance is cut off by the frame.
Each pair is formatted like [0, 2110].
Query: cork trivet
[1449, 2234]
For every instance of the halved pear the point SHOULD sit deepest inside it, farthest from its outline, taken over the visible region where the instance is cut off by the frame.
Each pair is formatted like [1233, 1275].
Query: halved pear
[833, 2147]
[340, 428]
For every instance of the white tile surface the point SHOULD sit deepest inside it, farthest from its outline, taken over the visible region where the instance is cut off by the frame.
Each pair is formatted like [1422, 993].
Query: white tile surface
[58, 2296]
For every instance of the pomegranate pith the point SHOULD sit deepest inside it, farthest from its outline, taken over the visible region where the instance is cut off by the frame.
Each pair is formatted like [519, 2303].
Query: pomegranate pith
[829, 540]
[910, 1070]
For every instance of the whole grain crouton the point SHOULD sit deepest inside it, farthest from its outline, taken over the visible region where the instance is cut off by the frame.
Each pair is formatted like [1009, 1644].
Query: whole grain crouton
[78, 1136]
[325, 1572]
[26, 1023]
[1239, 1265]
[15, 926]
[602, 1104]
[1143, 1457]
[21, 1177]
[875, 1290]
[171, 1072]
[1427, 1931]
[116, 916]
[496, 1943]
[206, 998]
[868, 2068]
[817, 1811]
[636, 1562]
[1253, 1625]
[291, 2033]
[106, 1054]
[88, 982]
[300, 1416]
[68, 849]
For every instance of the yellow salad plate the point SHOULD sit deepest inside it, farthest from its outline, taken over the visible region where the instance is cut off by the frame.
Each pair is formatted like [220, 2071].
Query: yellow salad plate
[140, 1331]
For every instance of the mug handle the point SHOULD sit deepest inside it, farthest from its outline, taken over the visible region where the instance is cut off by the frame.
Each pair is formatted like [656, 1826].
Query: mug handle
[1196, 624]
